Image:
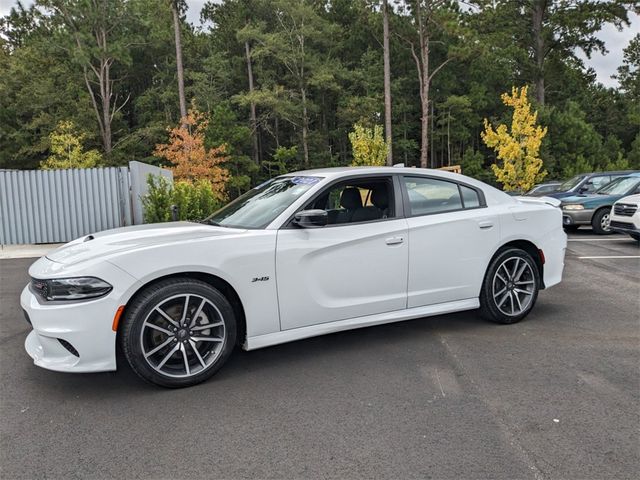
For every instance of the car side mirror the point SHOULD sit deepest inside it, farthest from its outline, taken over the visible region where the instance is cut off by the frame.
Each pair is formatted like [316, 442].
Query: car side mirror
[583, 189]
[311, 218]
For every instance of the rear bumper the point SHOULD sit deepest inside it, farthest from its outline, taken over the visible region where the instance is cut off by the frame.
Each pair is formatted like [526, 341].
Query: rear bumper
[554, 247]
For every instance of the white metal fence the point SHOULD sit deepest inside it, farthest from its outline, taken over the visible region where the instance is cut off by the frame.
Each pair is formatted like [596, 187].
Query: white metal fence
[50, 206]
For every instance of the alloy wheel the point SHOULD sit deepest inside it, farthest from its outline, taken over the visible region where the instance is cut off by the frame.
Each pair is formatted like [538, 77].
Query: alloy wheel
[513, 286]
[183, 335]
[604, 222]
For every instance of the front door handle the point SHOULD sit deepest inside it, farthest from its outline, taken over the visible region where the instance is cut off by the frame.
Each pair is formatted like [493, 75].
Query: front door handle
[394, 240]
[485, 225]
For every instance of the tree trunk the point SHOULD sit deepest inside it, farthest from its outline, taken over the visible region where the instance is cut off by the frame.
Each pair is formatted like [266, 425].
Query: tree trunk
[538, 39]
[424, 86]
[424, 147]
[305, 127]
[105, 88]
[387, 81]
[254, 123]
[449, 139]
[431, 137]
[97, 76]
[176, 31]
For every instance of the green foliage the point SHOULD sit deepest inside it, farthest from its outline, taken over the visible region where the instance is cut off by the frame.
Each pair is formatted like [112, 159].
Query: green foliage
[634, 153]
[158, 200]
[369, 146]
[67, 149]
[572, 145]
[472, 164]
[316, 71]
[195, 201]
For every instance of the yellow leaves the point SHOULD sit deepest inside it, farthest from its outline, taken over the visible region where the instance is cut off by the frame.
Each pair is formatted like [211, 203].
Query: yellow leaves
[517, 147]
[368, 145]
[191, 160]
[67, 149]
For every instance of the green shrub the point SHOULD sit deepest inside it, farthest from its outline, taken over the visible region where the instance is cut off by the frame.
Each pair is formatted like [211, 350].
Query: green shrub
[195, 201]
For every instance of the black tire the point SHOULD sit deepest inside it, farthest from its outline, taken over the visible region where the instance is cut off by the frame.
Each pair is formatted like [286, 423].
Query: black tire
[529, 280]
[571, 228]
[134, 332]
[599, 219]
[635, 236]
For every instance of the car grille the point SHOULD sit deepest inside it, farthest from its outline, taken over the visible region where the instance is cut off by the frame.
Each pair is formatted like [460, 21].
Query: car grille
[624, 209]
[616, 224]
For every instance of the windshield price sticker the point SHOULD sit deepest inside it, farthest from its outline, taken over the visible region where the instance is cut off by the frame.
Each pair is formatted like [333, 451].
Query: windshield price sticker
[305, 180]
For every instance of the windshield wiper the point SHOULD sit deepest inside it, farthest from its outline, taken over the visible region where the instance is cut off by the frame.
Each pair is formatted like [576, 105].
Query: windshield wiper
[209, 222]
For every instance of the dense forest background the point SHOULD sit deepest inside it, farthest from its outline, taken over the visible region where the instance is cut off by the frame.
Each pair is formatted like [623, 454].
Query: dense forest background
[283, 82]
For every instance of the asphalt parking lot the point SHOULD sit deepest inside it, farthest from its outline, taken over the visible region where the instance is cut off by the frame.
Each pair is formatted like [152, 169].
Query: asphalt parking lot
[556, 396]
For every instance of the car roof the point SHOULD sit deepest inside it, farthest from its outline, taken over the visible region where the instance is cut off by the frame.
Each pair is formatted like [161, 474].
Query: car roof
[616, 172]
[490, 193]
[335, 172]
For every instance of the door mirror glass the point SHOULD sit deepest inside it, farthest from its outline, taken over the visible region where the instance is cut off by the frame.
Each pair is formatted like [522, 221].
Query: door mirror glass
[311, 218]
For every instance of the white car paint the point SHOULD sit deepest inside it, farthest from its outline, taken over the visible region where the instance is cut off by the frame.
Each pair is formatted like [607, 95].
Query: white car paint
[319, 280]
[627, 220]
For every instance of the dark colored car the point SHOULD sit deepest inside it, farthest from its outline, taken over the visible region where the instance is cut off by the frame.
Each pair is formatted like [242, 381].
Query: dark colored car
[586, 183]
[543, 189]
[595, 208]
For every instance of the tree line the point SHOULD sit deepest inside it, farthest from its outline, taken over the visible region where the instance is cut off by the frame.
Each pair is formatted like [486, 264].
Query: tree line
[283, 83]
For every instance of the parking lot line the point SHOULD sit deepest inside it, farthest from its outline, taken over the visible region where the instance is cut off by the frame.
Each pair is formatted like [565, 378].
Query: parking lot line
[610, 256]
[598, 240]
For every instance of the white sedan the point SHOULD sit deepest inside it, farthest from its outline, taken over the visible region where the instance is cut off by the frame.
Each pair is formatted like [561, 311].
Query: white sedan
[304, 254]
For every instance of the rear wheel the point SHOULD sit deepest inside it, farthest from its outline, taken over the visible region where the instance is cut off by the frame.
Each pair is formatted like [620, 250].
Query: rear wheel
[635, 236]
[178, 332]
[510, 287]
[600, 222]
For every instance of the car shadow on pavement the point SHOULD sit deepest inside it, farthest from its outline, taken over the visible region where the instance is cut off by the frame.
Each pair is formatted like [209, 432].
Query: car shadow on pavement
[285, 359]
[277, 358]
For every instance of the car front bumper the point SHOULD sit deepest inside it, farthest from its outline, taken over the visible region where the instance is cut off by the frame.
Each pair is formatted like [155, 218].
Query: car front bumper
[74, 336]
[70, 337]
[577, 217]
[623, 226]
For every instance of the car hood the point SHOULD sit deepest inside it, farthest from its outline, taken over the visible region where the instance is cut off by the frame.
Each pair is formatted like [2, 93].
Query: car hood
[590, 199]
[123, 239]
[631, 199]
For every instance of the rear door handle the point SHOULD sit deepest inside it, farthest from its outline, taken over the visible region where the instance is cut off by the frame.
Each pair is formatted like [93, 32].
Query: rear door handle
[394, 240]
[485, 225]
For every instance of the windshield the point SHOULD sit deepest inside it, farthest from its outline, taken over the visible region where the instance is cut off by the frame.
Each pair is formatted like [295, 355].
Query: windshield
[619, 186]
[572, 182]
[261, 205]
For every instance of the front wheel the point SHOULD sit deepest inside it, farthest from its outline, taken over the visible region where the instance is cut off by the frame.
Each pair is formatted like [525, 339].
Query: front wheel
[600, 222]
[178, 332]
[510, 287]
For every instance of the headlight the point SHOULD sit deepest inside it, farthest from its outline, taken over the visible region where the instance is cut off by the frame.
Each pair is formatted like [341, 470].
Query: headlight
[76, 288]
[573, 207]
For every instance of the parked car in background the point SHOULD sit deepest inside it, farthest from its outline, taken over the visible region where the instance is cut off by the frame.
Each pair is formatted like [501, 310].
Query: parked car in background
[586, 183]
[301, 255]
[543, 189]
[595, 208]
[625, 216]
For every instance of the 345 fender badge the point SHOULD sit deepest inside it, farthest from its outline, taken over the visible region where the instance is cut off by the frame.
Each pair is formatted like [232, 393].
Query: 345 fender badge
[259, 279]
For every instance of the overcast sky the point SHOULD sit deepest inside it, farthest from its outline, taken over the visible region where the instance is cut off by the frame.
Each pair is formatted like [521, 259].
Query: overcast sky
[604, 65]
